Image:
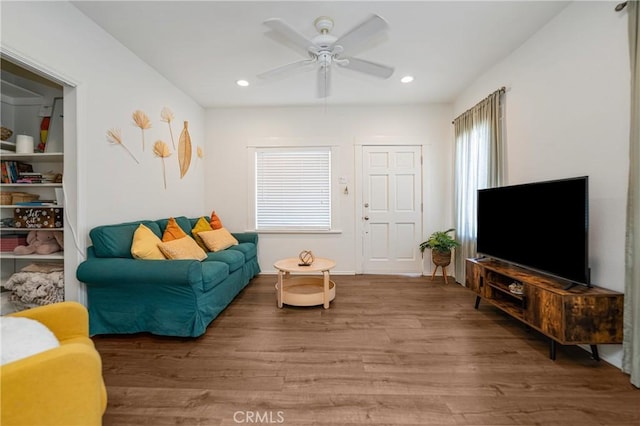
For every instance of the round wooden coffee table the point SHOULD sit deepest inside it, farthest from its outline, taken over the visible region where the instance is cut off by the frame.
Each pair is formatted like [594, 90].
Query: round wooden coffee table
[304, 290]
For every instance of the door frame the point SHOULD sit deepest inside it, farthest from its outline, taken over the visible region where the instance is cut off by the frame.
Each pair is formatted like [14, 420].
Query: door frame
[359, 185]
[75, 166]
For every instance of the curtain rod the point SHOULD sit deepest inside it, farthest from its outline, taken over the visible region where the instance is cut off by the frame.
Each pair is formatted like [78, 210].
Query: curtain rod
[621, 6]
[501, 90]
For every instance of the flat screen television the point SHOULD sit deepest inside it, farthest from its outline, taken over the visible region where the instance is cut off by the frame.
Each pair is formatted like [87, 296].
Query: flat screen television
[543, 226]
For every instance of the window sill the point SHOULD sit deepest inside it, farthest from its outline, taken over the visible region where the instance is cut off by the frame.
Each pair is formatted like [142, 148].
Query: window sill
[295, 231]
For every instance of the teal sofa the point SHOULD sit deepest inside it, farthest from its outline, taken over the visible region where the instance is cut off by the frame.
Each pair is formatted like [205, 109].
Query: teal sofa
[164, 297]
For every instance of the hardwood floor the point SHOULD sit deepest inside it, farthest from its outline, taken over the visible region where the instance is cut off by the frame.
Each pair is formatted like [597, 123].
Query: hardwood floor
[391, 350]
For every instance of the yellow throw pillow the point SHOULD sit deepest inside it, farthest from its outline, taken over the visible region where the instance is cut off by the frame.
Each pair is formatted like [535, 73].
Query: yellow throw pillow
[173, 231]
[145, 244]
[201, 226]
[182, 248]
[218, 239]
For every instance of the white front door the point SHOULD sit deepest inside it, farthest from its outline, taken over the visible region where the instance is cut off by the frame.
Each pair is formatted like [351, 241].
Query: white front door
[391, 209]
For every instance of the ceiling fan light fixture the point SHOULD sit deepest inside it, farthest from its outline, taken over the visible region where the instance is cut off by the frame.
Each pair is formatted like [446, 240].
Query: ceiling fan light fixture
[407, 79]
[242, 83]
[325, 49]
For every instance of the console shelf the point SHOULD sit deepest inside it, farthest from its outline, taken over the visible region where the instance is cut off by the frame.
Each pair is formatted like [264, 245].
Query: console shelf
[569, 316]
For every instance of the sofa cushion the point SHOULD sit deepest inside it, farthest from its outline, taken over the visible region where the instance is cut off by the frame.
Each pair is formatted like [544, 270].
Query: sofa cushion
[201, 225]
[249, 250]
[182, 248]
[183, 222]
[233, 258]
[213, 273]
[215, 221]
[116, 240]
[194, 220]
[172, 231]
[24, 337]
[218, 239]
[145, 244]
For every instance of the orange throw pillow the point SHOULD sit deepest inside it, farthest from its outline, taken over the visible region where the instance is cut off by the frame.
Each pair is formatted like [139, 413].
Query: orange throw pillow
[173, 231]
[215, 221]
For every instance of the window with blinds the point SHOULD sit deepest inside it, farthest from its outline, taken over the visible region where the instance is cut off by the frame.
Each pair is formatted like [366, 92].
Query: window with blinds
[293, 189]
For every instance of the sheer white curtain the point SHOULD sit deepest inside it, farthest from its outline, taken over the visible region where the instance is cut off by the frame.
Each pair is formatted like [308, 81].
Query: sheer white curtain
[479, 163]
[631, 344]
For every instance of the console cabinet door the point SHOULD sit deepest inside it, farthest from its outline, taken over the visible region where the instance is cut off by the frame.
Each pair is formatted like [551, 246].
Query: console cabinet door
[593, 319]
[473, 277]
[543, 310]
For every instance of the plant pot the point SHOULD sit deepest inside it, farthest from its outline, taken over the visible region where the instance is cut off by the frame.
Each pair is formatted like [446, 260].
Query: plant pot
[441, 258]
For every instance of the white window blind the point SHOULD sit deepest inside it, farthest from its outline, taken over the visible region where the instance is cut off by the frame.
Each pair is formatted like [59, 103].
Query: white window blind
[293, 189]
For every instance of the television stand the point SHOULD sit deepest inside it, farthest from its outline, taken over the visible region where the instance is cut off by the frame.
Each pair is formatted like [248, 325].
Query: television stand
[569, 316]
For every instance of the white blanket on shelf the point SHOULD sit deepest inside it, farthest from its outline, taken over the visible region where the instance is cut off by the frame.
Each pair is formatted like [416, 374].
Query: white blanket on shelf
[36, 288]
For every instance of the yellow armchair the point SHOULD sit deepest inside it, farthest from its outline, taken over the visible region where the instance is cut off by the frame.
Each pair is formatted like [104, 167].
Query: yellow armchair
[61, 386]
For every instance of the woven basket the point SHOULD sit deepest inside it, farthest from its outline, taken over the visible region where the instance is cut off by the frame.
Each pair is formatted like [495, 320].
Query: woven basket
[5, 198]
[23, 197]
[441, 258]
[5, 133]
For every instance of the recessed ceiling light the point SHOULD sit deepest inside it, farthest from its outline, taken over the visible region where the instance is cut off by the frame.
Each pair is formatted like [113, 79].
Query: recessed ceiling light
[407, 79]
[242, 83]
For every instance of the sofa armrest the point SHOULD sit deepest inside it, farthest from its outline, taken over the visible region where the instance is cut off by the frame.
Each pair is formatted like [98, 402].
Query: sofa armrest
[97, 270]
[67, 320]
[246, 237]
[61, 386]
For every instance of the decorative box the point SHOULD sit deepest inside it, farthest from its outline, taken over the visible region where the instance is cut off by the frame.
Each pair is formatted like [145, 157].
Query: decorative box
[10, 241]
[42, 217]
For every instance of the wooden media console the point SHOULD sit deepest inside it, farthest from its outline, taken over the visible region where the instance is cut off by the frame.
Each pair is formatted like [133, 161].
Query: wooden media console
[569, 316]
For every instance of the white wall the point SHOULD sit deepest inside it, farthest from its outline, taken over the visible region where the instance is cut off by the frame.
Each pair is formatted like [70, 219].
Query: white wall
[111, 83]
[567, 114]
[231, 131]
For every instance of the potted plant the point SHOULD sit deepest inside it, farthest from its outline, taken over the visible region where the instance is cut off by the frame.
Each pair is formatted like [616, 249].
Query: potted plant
[440, 243]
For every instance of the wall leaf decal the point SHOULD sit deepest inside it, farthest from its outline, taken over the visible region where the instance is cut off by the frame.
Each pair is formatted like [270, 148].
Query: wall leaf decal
[141, 120]
[184, 150]
[114, 136]
[161, 149]
[167, 116]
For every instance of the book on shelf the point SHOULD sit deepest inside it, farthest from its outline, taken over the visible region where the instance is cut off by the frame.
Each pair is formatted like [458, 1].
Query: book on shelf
[30, 180]
[11, 170]
[37, 203]
[5, 172]
[30, 177]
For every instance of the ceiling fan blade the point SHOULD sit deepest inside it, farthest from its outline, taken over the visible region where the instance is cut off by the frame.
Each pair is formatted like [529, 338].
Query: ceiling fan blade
[286, 68]
[324, 81]
[362, 32]
[368, 67]
[292, 35]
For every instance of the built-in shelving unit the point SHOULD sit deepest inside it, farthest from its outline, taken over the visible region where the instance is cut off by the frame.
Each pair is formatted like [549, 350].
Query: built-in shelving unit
[26, 99]
[41, 162]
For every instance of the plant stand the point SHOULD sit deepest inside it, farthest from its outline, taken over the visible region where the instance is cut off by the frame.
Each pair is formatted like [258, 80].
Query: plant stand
[444, 273]
[442, 260]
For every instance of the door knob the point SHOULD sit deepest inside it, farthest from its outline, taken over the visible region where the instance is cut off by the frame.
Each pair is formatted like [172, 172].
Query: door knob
[366, 218]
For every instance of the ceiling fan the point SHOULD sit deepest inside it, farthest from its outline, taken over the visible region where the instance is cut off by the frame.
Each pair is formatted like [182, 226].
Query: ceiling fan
[326, 50]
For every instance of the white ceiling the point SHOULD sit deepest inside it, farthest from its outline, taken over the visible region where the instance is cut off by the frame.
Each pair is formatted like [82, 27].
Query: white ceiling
[203, 47]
